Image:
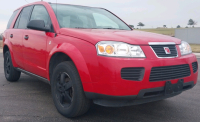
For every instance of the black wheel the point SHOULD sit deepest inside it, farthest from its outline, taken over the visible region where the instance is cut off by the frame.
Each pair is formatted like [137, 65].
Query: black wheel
[67, 91]
[10, 72]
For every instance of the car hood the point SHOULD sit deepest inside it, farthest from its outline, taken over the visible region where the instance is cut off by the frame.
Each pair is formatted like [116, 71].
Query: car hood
[132, 37]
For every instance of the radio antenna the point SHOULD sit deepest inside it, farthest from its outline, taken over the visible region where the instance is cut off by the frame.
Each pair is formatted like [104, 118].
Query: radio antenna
[56, 8]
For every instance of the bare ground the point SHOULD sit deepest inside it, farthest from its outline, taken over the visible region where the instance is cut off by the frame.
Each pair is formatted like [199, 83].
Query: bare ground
[1, 44]
[195, 48]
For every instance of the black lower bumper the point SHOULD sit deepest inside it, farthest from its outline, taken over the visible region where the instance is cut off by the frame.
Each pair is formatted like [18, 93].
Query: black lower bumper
[144, 96]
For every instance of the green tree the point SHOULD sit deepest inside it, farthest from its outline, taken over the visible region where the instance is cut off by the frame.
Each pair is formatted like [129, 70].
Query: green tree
[132, 26]
[191, 22]
[140, 24]
[178, 26]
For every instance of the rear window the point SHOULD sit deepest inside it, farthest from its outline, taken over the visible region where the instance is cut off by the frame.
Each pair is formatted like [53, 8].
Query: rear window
[12, 18]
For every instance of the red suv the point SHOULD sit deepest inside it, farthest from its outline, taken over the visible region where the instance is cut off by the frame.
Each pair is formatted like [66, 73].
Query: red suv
[89, 54]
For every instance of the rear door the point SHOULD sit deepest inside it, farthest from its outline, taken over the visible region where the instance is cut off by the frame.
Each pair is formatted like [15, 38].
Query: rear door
[15, 35]
[35, 44]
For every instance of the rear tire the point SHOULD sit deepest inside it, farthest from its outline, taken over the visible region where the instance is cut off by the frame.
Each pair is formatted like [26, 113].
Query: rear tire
[67, 91]
[10, 72]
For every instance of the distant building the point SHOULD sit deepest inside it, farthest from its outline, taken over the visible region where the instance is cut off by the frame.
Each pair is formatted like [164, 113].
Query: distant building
[160, 27]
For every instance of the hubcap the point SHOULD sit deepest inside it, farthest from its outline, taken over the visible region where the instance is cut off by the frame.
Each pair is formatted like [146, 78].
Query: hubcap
[7, 66]
[64, 90]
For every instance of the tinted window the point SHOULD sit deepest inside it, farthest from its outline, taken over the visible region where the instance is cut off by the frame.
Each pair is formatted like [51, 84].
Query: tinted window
[12, 18]
[24, 17]
[40, 13]
[17, 22]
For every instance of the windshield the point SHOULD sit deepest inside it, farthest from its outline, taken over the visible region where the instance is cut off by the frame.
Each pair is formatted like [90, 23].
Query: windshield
[70, 16]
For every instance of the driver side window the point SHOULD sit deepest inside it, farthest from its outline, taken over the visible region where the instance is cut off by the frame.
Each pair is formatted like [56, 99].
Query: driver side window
[40, 13]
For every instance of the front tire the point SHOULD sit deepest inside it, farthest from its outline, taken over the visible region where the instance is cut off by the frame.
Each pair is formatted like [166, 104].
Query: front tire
[67, 90]
[10, 72]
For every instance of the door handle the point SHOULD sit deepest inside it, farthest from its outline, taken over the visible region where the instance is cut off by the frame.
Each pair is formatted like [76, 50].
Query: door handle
[11, 35]
[26, 37]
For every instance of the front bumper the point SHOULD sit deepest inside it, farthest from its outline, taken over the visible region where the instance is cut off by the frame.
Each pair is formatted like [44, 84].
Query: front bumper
[109, 81]
[144, 96]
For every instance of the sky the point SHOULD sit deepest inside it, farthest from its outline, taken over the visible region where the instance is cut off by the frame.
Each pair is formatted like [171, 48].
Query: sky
[153, 13]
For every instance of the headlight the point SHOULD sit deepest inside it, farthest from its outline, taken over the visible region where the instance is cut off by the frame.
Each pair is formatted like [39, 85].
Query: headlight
[119, 49]
[185, 48]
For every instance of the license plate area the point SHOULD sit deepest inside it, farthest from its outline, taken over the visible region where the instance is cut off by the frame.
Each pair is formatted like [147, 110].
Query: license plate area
[173, 88]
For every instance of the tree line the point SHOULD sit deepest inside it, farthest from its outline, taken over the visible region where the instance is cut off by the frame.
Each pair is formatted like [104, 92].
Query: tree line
[191, 23]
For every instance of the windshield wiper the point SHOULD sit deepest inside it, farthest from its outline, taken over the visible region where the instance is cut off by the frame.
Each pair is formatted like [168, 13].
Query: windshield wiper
[80, 27]
[94, 28]
[109, 28]
[114, 28]
[99, 28]
[85, 28]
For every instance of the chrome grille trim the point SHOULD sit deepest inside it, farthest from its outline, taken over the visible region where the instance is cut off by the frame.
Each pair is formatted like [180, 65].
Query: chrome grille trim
[163, 44]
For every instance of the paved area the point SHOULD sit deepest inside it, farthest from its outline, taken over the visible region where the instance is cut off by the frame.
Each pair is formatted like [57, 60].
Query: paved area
[30, 100]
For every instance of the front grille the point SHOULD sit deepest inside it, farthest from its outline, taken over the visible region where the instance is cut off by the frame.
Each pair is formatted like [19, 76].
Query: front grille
[194, 67]
[133, 73]
[160, 52]
[169, 72]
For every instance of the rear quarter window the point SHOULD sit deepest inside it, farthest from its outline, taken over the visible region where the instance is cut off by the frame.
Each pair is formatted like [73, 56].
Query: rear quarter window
[12, 18]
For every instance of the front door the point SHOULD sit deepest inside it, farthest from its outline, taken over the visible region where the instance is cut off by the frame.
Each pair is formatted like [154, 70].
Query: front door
[35, 44]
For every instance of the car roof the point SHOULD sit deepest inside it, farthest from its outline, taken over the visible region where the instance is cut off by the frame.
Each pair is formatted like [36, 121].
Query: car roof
[41, 2]
[45, 3]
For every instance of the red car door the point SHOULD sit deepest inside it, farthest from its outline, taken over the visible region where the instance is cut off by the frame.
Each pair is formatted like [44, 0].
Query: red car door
[15, 36]
[35, 44]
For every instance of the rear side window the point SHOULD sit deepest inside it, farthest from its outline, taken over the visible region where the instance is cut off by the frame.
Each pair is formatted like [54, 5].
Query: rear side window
[17, 22]
[12, 18]
[24, 16]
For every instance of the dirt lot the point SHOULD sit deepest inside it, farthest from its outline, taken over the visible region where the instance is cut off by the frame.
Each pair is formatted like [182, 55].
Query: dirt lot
[0, 43]
[164, 31]
[195, 48]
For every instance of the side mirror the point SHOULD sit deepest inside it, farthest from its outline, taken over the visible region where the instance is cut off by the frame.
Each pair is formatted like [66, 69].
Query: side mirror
[38, 25]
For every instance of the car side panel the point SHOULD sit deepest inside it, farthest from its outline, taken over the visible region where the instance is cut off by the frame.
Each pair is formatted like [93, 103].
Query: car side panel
[16, 44]
[7, 43]
[82, 53]
[34, 52]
